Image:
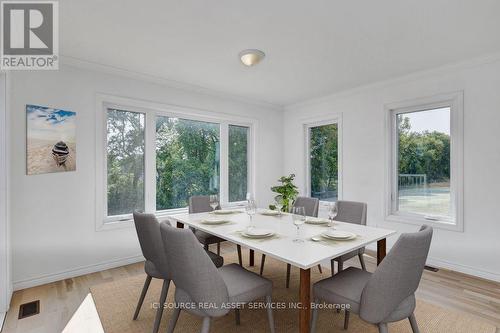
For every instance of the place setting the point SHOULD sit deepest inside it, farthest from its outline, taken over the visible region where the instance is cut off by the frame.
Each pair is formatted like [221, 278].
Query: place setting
[222, 218]
[329, 222]
[274, 210]
[253, 232]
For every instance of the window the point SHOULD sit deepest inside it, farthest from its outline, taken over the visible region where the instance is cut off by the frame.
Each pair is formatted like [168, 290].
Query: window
[425, 174]
[187, 160]
[153, 157]
[238, 163]
[323, 160]
[125, 162]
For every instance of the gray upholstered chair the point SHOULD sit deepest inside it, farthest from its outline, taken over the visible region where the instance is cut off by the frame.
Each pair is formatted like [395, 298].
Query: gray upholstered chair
[351, 212]
[148, 232]
[201, 204]
[311, 207]
[387, 295]
[197, 281]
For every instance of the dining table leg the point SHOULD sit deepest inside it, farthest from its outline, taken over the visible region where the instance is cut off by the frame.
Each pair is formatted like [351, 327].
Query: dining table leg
[305, 301]
[252, 258]
[381, 250]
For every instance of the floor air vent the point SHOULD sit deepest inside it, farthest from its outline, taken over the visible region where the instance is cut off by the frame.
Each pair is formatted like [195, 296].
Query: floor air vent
[432, 269]
[29, 309]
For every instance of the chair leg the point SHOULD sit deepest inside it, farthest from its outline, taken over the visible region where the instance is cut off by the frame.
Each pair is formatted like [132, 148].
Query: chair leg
[143, 294]
[362, 261]
[205, 246]
[314, 318]
[173, 320]
[205, 327]
[270, 313]
[237, 316]
[288, 268]
[332, 266]
[382, 328]
[413, 323]
[262, 262]
[320, 269]
[346, 319]
[218, 249]
[240, 260]
[341, 265]
[159, 311]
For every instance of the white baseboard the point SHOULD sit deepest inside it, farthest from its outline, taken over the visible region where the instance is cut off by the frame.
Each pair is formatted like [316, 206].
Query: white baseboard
[439, 263]
[2, 319]
[44, 279]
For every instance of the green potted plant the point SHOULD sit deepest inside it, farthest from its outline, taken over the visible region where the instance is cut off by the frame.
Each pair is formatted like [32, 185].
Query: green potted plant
[287, 192]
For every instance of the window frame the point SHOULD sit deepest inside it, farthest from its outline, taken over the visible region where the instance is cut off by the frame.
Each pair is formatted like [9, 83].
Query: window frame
[455, 102]
[322, 121]
[151, 111]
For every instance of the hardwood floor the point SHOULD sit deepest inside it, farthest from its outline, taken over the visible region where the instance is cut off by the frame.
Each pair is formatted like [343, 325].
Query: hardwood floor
[65, 303]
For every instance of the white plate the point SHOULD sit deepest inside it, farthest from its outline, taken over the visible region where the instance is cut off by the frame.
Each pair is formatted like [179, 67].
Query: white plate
[269, 212]
[225, 211]
[258, 231]
[215, 220]
[245, 234]
[316, 220]
[339, 235]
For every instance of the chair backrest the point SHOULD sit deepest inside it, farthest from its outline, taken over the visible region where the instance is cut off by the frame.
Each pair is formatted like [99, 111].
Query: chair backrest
[351, 212]
[148, 232]
[200, 204]
[311, 205]
[192, 270]
[397, 277]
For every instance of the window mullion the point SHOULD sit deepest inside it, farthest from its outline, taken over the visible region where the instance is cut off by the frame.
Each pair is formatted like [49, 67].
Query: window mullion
[150, 163]
[224, 164]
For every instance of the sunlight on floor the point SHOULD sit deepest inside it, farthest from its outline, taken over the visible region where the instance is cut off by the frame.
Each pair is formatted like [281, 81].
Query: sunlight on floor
[85, 318]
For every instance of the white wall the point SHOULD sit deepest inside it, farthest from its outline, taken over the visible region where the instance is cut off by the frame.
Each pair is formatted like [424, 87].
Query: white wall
[53, 215]
[474, 251]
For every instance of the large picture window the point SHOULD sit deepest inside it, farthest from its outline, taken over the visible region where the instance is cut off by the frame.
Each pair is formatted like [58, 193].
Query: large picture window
[426, 168]
[153, 158]
[125, 162]
[424, 163]
[238, 162]
[187, 160]
[323, 160]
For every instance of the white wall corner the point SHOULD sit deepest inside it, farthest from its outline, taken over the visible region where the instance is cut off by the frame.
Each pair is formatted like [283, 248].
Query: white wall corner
[5, 256]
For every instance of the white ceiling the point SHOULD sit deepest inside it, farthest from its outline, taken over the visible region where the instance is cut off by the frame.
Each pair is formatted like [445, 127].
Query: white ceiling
[313, 47]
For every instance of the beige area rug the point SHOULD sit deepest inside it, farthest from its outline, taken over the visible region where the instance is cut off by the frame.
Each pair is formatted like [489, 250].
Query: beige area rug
[116, 301]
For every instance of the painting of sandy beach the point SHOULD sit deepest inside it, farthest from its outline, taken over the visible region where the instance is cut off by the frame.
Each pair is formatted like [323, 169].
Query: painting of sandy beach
[51, 140]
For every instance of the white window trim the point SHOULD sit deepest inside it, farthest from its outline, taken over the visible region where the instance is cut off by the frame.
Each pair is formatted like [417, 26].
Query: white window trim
[453, 100]
[320, 121]
[151, 111]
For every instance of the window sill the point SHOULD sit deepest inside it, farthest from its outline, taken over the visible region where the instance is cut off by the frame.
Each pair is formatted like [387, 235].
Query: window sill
[421, 220]
[127, 221]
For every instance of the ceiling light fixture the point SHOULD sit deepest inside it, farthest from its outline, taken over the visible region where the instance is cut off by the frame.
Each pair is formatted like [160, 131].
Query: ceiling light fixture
[251, 57]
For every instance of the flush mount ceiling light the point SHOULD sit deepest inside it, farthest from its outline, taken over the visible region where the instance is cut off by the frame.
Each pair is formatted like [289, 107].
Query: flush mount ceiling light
[251, 57]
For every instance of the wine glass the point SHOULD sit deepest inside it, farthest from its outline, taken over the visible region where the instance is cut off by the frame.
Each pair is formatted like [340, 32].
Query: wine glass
[332, 212]
[251, 209]
[278, 203]
[299, 218]
[214, 201]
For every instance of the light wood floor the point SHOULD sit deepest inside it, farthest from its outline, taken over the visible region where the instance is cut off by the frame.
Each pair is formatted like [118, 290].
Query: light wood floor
[66, 303]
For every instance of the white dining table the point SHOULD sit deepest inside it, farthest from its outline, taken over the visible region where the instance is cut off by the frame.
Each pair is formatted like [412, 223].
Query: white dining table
[304, 255]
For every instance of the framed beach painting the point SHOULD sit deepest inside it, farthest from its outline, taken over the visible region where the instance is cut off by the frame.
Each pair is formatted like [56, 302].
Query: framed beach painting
[51, 140]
